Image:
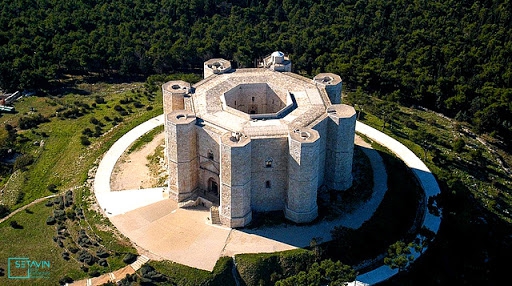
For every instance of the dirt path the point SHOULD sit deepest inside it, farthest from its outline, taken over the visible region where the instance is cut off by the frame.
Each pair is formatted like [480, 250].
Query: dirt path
[29, 205]
[132, 170]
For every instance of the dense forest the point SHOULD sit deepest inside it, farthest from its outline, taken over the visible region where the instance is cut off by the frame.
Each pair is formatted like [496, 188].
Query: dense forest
[451, 56]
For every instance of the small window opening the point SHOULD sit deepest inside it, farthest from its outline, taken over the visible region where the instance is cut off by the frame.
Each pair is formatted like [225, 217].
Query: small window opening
[268, 163]
[253, 99]
[210, 154]
[267, 184]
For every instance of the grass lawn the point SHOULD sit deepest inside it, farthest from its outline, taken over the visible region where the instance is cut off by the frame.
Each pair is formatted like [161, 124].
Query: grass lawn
[34, 241]
[61, 159]
[177, 274]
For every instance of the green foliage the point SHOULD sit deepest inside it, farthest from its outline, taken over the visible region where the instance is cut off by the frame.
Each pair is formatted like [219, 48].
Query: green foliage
[325, 273]
[180, 274]
[23, 161]
[14, 224]
[268, 268]
[129, 258]
[447, 55]
[52, 188]
[144, 139]
[399, 255]
[29, 122]
[4, 211]
[35, 240]
[458, 145]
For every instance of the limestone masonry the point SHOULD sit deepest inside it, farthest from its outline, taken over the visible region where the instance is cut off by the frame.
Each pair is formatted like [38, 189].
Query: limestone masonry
[257, 139]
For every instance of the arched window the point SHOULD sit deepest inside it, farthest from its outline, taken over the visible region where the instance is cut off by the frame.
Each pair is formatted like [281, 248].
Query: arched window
[210, 154]
[268, 163]
[267, 184]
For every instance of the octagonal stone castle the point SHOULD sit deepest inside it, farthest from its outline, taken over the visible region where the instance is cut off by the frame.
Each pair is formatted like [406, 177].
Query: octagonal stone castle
[257, 139]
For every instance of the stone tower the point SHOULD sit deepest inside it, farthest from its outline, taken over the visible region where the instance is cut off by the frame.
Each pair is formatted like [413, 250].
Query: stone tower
[216, 66]
[332, 84]
[302, 175]
[340, 146]
[181, 153]
[235, 199]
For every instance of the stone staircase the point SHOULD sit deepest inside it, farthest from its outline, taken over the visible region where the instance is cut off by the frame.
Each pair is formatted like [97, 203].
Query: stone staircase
[141, 260]
[214, 215]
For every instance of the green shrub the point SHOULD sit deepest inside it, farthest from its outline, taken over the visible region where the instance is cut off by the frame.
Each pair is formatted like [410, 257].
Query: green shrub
[52, 188]
[129, 258]
[458, 145]
[50, 220]
[99, 100]
[268, 268]
[23, 161]
[85, 141]
[65, 279]
[14, 224]
[4, 211]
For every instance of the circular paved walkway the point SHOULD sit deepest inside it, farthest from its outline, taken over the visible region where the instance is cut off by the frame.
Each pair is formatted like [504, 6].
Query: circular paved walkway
[184, 235]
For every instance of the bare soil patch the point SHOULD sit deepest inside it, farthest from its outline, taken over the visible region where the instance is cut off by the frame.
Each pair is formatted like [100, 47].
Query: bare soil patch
[134, 170]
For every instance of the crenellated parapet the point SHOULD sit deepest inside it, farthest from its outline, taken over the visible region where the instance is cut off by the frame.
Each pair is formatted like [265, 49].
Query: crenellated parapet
[174, 95]
[332, 84]
[216, 66]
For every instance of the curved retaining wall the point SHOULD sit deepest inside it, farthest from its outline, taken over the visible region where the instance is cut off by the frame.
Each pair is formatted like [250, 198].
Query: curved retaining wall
[427, 181]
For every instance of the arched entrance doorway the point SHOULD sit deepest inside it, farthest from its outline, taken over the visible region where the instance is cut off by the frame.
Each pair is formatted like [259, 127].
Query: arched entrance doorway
[213, 186]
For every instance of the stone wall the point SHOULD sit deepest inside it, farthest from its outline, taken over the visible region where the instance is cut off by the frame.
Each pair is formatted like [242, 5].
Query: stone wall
[269, 165]
[235, 179]
[303, 160]
[208, 140]
[321, 128]
[256, 97]
[340, 146]
[173, 95]
[182, 154]
[332, 84]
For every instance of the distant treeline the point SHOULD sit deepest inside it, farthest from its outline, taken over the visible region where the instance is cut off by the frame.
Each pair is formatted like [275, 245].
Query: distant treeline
[451, 56]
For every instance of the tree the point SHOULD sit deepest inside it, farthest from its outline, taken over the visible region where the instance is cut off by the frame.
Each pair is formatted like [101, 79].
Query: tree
[399, 256]
[4, 211]
[52, 188]
[315, 246]
[325, 273]
[386, 111]
[423, 138]
[23, 161]
[458, 145]
[14, 224]
[423, 240]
